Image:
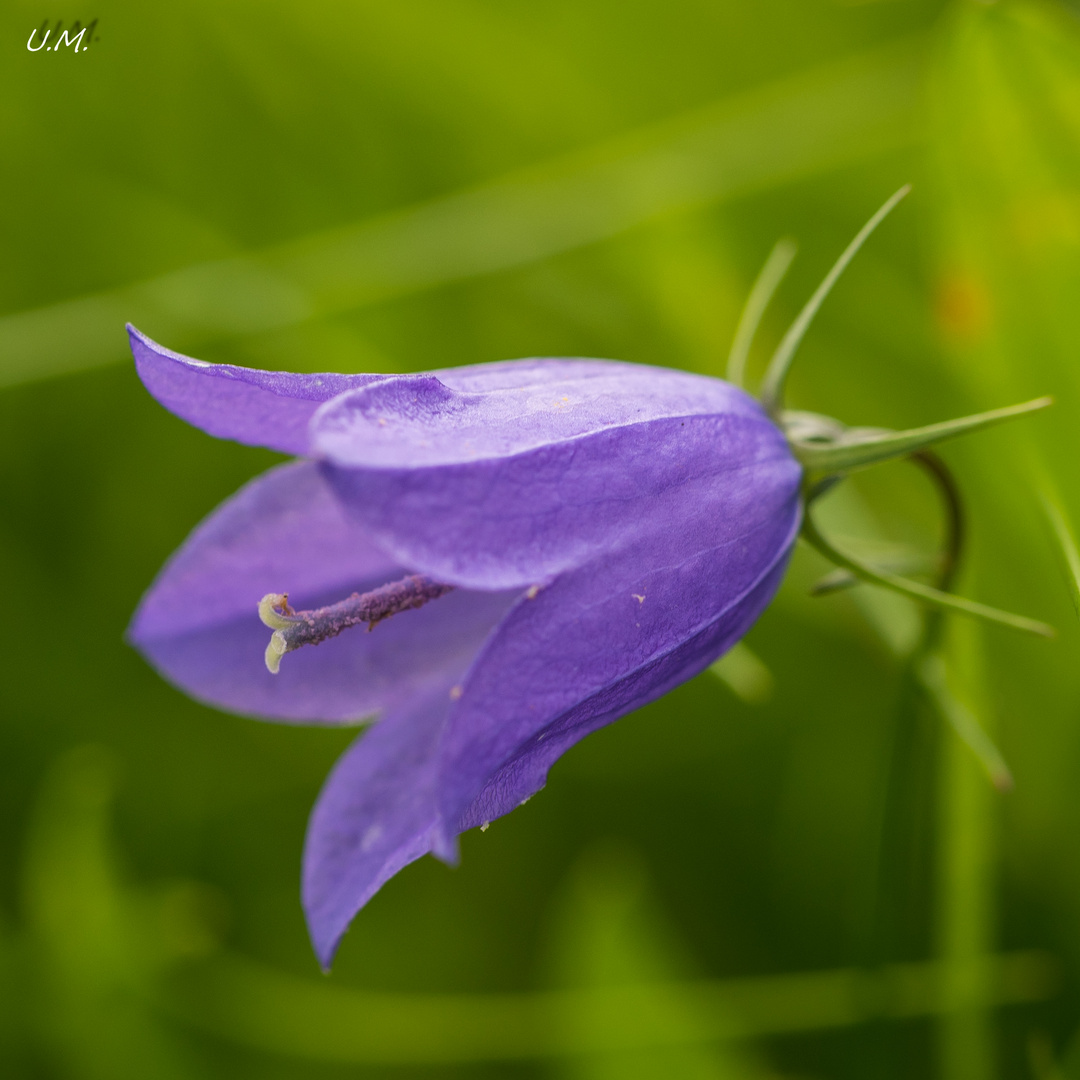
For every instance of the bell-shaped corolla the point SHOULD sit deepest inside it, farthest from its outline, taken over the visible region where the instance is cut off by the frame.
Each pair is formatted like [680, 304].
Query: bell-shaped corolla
[609, 530]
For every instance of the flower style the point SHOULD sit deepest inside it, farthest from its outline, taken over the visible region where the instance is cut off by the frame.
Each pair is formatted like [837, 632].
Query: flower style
[546, 545]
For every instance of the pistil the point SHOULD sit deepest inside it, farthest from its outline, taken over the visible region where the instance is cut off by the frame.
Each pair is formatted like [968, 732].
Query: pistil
[294, 629]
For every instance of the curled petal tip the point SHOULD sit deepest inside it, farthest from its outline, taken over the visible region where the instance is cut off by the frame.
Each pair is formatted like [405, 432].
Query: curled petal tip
[277, 648]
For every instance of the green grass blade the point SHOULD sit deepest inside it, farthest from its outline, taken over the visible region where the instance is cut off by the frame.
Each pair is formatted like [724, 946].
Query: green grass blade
[772, 390]
[744, 673]
[743, 143]
[933, 677]
[261, 1007]
[772, 273]
[1066, 538]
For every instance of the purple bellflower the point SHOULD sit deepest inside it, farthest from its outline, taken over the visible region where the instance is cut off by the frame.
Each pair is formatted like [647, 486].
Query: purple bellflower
[546, 545]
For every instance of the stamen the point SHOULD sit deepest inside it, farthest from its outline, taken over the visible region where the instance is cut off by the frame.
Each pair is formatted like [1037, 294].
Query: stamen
[294, 629]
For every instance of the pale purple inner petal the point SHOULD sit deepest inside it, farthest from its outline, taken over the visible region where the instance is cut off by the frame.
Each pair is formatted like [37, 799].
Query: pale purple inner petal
[340, 681]
[284, 532]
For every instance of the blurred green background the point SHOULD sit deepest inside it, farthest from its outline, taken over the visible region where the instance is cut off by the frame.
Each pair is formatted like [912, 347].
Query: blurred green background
[791, 872]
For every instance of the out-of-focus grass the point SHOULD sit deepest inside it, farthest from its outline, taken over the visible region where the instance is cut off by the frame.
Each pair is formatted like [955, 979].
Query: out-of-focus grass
[109, 979]
[396, 187]
[820, 120]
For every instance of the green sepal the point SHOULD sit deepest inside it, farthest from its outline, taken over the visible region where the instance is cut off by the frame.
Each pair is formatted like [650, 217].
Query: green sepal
[894, 558]
[772, 387]
[859, 447]
[772, 273]
[916, 590]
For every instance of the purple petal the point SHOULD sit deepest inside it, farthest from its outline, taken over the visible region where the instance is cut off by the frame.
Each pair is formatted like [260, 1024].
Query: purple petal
[375, 815]
[284, 532]
[261, 408]
[611, 635]
[496, 410]
[274, 408]
[597, 643]
[511, 486]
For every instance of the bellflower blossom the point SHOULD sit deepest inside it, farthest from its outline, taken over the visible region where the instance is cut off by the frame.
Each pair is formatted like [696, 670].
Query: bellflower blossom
[545, 545]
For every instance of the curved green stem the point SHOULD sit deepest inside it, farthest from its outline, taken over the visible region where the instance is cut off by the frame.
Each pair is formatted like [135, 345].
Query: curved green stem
[955, 525]
[948, 562]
